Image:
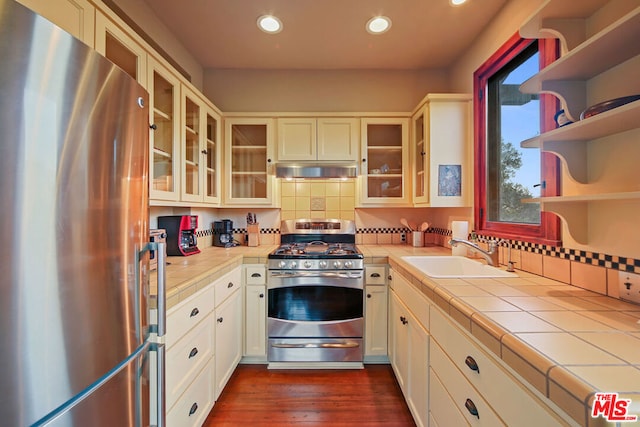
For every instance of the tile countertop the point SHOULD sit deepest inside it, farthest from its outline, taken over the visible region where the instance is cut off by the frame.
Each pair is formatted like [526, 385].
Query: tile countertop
[567, 342]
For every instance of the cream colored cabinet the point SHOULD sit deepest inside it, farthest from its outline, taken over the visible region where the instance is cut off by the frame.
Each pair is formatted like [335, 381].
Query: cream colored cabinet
[122, 48]
[375, 313]
[597, 152]
[441, 146]
[469, 372]
[385, 177]
[228, 327]
[201, 149]
[190, 384]
[248, 161]
[255, 309]
[409, 346]
[77, 17]
[328, 138]
[164, 138]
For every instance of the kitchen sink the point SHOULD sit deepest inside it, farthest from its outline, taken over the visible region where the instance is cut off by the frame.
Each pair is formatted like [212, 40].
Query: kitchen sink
[449, 267]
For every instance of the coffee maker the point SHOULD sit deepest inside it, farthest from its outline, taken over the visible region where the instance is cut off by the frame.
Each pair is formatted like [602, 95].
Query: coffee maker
[181, 234]
[223, 233]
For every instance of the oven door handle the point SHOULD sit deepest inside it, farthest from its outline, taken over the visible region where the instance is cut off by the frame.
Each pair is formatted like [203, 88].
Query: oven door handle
[350, 275]
[348, 344]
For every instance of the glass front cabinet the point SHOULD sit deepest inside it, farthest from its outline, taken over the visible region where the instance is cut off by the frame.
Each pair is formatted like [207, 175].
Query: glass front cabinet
[441, 151]
[384, 174]
[164, 138]
[248, 161]
[200, 149]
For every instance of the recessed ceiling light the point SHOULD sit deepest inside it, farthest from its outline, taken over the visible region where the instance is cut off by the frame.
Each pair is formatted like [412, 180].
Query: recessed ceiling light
[378, 25]
[269, 24]
[457, 2]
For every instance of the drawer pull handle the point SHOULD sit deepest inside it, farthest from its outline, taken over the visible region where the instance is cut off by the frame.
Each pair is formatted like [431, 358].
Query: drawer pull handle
[376, 275]
[194, 312]
[230, 285]
[193, 409]
[471, 363]
[256, 275]
[220, 319]
[261, 295]
[471, 407]
[193, 352]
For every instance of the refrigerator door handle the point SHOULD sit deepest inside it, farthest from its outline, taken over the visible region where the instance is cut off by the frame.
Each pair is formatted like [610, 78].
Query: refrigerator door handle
[162, 288]
[160, 395]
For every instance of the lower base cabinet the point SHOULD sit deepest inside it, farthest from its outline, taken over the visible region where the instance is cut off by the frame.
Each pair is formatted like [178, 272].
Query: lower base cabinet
[204, 345]
[196, 403]
[409, 349]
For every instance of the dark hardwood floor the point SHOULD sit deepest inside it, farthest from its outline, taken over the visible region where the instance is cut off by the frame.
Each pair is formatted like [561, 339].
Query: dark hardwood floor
[256, 396]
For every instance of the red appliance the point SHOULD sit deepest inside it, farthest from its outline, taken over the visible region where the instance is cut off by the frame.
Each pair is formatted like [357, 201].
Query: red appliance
[181, 234]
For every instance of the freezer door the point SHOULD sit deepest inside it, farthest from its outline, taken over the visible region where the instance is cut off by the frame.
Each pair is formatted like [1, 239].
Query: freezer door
[120, 399]
[74, 160]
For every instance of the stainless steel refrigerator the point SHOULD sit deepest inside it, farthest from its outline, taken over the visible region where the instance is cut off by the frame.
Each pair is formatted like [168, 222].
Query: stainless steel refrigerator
[76, 343]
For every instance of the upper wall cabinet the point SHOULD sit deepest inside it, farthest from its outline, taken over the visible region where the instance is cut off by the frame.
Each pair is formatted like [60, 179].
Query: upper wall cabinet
[441, 151]
[248, 159]
[121, 48]
[164, 139]
[384, 178]
[77, 17]
[600, 62]
[200, 149]
[326, 138]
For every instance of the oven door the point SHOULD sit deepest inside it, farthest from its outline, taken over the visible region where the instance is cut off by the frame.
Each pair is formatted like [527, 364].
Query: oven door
[315, 304]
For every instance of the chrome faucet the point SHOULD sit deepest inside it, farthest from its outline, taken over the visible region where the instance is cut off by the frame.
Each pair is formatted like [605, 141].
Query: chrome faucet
[491, 256]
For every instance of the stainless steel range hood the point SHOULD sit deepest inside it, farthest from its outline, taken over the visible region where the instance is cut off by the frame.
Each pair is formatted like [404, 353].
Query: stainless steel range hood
[316, 170]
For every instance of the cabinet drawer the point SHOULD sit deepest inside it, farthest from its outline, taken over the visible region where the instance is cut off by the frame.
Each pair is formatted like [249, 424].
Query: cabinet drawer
[442, 409]
[375, 275]
[227, 284]
[187, 358]
[461, 391]
[255, 275]
[413, 299]
[507, 396]
[187, 314]
[196, 403]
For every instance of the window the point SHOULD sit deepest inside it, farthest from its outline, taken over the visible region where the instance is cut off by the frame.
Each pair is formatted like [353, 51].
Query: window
[504, 172]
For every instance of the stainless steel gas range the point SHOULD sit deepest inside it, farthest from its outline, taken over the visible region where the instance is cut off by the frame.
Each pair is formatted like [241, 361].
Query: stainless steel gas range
[316, 286]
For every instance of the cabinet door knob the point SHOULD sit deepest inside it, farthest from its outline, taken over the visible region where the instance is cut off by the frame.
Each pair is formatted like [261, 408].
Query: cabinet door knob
[375, 275]
[230, 285]
[471, 407]
[364, 160]
[220, 319]
[268, 160]
[390, 277]
[261, 295]
[205, 151]
[153, 126]
[193, 352]
[368, 295]
[193, 409]
[471, 363]
[194, 312]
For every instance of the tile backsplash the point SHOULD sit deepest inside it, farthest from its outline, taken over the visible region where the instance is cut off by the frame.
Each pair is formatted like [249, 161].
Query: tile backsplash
[331, 198]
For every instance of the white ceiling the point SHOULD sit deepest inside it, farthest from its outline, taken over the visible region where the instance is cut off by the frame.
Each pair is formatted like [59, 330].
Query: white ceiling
[325, 34]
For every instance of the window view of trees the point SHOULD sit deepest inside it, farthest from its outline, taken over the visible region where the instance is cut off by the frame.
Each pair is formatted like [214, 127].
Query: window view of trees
[512, 192]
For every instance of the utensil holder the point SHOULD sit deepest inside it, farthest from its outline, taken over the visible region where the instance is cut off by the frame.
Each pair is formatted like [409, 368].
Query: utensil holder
[417, 238]
[253, 234]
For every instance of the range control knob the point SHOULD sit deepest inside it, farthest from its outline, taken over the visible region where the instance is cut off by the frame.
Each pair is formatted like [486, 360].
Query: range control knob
[336, 264]
[323, 264]
[307, 264]
[282, 264]
[348, 264]
[293, 264]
